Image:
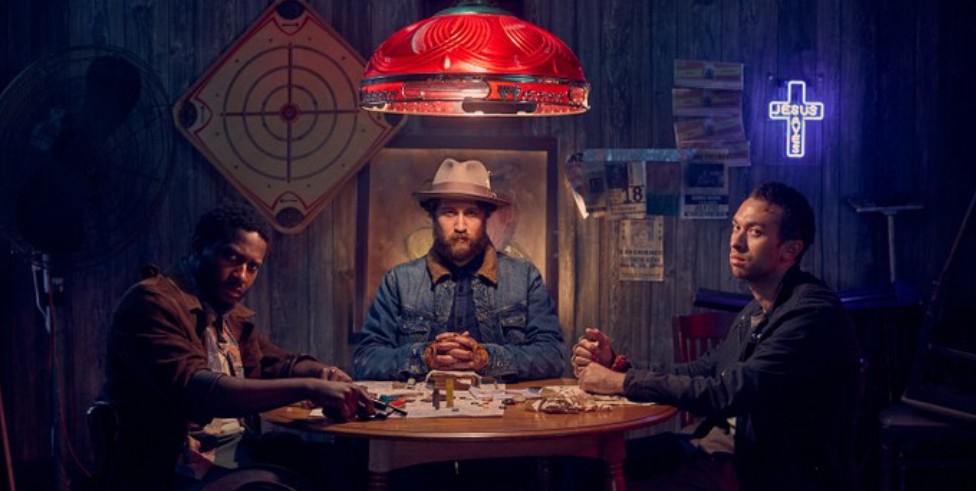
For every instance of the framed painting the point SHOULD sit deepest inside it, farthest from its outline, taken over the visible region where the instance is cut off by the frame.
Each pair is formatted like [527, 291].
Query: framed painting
[392, 228]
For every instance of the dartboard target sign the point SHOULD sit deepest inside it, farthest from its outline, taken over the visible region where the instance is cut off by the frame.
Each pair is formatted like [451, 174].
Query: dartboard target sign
[278, 115]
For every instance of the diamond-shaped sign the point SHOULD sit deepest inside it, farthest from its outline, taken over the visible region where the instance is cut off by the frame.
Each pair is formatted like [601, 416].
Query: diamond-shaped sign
[278, 115]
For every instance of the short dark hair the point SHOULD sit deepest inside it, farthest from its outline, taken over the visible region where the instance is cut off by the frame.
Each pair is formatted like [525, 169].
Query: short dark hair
[798, 221]
[218, 225]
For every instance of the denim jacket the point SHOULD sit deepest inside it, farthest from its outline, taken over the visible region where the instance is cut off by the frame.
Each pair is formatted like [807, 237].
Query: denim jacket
[517, 319]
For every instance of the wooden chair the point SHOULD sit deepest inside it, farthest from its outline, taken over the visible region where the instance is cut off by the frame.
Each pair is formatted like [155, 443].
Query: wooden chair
[103, 426]
[695, 334]
[256, 477]
[922, 450]
[103, 430]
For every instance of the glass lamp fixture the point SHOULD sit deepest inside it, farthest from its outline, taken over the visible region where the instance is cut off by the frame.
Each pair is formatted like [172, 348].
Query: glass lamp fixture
[474, 60]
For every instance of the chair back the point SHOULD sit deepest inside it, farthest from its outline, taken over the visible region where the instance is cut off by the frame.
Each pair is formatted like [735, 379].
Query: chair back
[694, 335]
[261, 476]
[103, 429]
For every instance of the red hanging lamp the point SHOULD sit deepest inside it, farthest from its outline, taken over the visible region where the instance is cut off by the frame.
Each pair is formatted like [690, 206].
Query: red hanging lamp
[474, 60]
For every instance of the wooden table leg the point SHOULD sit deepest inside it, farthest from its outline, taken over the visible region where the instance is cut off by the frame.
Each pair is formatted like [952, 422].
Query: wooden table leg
[380, 465]
[543, 473]
[378, 481]
[615, 476]
[614, 450]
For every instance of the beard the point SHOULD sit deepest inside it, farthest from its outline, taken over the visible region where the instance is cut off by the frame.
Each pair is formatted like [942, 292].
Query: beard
[459, 248]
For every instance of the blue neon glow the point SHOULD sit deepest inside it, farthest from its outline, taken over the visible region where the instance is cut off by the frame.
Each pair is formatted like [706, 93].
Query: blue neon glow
[796, 112]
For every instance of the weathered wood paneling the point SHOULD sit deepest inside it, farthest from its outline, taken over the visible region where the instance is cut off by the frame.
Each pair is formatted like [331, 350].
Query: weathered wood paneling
[889, 72]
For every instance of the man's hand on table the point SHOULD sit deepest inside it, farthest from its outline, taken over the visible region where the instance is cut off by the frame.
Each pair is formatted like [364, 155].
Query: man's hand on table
[334, 374]
[453, 351]
[340, 400]
[599, 379]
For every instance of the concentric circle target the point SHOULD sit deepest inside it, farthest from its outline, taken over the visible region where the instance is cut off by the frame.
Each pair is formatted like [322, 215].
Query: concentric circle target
[278, 115]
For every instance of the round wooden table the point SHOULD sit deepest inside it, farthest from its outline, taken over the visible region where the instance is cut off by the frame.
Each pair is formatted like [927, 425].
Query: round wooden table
[400, 442]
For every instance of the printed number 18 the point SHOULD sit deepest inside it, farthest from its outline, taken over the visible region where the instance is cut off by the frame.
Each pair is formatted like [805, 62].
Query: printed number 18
[635, 194]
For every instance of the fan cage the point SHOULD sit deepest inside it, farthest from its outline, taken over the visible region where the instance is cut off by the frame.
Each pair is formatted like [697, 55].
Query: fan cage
[98, 194]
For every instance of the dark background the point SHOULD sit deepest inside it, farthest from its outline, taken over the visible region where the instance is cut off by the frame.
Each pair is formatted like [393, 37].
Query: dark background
[893, 76]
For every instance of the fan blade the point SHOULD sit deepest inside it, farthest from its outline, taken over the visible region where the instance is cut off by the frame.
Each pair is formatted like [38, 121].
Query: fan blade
[50, 209]
[113, 87]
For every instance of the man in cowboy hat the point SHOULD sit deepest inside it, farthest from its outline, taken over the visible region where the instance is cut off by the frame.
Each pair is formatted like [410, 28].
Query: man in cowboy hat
[465, 305]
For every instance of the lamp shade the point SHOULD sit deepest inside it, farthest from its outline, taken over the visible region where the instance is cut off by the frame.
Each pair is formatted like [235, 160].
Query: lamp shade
[473, 60]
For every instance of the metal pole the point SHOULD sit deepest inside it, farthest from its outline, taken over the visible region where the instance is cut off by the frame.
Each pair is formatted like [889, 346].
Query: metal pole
[889, 212]
[893, 274]
[8, 462]
[47, 290]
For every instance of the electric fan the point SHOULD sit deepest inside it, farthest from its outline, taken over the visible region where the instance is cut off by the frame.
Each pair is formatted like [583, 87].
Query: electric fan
[85, 158]
[85, 136]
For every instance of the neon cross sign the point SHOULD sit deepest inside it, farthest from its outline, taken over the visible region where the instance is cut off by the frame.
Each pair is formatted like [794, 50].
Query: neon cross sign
[796, 113]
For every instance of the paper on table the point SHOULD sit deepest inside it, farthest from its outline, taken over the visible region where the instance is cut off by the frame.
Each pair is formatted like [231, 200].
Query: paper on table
[464, 406]
[574, 391]
[475, 402]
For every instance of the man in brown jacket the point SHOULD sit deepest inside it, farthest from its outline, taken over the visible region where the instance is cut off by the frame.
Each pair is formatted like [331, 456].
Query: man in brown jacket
[186, 364]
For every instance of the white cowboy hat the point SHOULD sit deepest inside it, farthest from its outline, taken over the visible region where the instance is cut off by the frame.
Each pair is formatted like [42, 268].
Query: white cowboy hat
[462, 180]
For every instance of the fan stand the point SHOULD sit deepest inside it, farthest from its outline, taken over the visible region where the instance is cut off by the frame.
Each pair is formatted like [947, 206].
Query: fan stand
[7, 459]
[47, 291]
[88, 155]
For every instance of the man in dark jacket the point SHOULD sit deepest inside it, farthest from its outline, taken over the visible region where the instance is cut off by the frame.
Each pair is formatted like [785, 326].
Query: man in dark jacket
[786, 375]
[185, 362]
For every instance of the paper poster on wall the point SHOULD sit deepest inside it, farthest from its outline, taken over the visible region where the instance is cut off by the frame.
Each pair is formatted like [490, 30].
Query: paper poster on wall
[625, 189]
[712, 130]
[641, 254]
[706, 102]
[663, 191]
[730, 153]
[626, 182]
[707, 106]
[588, 181]
[705, 190]
[707, 74]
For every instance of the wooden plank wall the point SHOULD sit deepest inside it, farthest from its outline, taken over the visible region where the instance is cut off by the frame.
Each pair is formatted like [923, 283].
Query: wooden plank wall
[890, 73]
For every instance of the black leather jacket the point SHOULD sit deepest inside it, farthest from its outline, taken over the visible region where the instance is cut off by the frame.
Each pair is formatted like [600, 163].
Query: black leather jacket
[790, 382]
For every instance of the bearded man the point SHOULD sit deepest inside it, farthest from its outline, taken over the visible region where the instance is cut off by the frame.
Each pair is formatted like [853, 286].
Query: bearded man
[465, 305]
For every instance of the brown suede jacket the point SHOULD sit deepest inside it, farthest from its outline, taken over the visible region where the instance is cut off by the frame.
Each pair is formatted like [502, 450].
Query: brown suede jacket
[157, 376]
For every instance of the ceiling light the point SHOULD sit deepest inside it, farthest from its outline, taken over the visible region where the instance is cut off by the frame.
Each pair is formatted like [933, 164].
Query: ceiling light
[474, 60]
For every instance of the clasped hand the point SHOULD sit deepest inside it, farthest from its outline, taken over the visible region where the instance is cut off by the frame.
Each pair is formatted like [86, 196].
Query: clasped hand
[454, 351]
[592, 347]
[591, 357]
